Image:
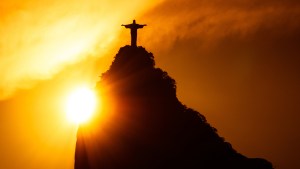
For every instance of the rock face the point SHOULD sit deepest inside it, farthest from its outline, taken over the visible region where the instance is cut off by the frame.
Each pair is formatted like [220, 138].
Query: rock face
[143, 125]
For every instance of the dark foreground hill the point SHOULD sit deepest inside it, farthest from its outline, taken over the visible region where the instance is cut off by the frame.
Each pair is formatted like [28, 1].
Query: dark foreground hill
[144, 126]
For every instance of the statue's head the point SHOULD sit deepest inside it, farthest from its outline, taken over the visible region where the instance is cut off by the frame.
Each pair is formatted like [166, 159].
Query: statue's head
[133, 21]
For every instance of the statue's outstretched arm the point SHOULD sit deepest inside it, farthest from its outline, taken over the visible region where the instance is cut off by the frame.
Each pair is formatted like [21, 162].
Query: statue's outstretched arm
[141, 26]
[126, 26]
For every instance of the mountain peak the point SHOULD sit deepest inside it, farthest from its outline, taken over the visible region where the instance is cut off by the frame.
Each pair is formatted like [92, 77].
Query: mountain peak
[130, 58]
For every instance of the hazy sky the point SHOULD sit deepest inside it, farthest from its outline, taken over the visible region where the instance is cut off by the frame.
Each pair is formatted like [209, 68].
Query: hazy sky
[237, 62]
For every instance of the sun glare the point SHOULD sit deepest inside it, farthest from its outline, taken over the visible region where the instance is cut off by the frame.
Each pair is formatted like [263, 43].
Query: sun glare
[81, 105]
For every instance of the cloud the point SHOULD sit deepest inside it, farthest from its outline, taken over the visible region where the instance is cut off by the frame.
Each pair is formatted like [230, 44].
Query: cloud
[213, 20]
[38, 38]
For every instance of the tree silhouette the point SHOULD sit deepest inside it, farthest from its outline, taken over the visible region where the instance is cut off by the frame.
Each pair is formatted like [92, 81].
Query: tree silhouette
[147, 127]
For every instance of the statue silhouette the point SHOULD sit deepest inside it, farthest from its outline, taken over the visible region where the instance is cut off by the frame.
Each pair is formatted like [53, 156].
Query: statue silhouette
[133, 31]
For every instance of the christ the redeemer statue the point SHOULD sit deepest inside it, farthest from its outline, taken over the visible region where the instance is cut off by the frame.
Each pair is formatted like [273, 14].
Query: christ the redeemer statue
[133, 30]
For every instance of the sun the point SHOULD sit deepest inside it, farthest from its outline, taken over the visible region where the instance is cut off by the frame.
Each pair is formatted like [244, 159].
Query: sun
[81, 105]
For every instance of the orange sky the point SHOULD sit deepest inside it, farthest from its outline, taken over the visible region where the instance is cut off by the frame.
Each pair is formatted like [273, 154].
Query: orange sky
[235, 62]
